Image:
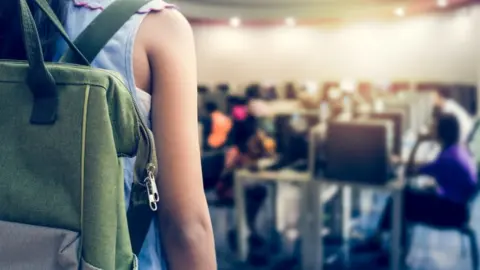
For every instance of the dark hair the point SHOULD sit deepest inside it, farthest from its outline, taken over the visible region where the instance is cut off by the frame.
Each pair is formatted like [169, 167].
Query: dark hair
[223, 87]
[202, 89]
[211, 107]
[448, 129]
[11, 40]
[253, 91]
[444, 92]
[290, 91]
[237, 100]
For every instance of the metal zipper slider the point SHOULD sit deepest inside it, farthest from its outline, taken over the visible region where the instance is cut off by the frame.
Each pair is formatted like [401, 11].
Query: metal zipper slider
[153, 197]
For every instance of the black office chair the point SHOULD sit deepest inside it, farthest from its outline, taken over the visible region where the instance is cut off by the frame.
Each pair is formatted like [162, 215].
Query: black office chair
[212, 168]
[473, 132]
[462, 226]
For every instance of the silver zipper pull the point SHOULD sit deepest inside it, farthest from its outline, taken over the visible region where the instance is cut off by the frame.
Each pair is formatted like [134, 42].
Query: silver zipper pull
[154, 186]
[153, 197]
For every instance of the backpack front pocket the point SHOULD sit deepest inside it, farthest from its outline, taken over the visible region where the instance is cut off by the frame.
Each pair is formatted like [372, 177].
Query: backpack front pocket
[27, 247]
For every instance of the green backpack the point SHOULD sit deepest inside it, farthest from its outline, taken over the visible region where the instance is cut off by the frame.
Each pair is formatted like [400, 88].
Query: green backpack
[65, 128]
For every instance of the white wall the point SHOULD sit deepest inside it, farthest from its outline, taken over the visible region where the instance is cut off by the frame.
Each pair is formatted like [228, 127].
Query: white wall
[440, 47]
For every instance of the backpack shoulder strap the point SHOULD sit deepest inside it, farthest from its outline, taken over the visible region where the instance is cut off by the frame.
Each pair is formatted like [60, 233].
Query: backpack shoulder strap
[97, 34]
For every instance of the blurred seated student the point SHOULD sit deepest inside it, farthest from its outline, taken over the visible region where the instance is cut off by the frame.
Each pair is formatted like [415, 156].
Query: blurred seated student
[216, 126]
[366, 93]
[256, 105]
[202, 92]
[336, 99]
[310, 96]
[259, 109]
[223, 88]
[245, 154]
[290, 91]
[249, 144]
[446, 202]
[217, 167]
[295, 138]
[269, 93]
[202, 89]
[445, 104]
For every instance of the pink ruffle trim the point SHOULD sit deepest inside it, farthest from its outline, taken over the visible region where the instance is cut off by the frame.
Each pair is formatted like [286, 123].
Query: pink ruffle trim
[92, 6]
[156, 5]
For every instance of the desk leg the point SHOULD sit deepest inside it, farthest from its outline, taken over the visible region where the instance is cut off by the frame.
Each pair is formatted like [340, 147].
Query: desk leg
[318, 210]
[275, 220]
[305, 224]
[346, 224]
[311, 153]
[346, 212]
[312, 226]
[242, 231]
[396, 248]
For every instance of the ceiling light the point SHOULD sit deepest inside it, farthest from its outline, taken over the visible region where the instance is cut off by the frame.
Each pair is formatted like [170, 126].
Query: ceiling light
[442, 3]
[290, 21]
[400, 12]
[235, 22]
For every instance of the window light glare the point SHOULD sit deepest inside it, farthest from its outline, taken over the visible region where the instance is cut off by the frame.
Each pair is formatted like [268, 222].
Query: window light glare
[235, 22]
[290, 21]
[442, 3]
[400, 12]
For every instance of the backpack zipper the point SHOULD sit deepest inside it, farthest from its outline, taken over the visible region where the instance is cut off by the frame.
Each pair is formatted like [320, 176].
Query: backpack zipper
[149, 181]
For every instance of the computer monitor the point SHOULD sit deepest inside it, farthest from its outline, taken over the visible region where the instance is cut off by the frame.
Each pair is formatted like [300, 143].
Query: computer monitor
[397, 117]
[292, 140]
[408, 109]
[269, 93]
[281, 123]
[359, 150]
[466, 96]
[425, 107]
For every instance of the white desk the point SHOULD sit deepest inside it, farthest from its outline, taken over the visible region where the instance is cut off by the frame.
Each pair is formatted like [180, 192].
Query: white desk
[312, 256]
[288, 107]
[282, 176]
[315, 258]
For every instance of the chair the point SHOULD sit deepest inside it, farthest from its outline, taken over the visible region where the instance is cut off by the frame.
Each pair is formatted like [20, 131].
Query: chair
[464, 229]
[212, 168]
[462, 226]
[473, 132]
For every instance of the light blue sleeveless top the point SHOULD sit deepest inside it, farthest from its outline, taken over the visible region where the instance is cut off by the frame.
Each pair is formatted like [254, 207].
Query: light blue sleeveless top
[117, 55]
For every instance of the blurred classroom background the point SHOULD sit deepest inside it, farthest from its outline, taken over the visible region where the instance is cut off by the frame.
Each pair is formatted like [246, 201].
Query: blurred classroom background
[312, 118]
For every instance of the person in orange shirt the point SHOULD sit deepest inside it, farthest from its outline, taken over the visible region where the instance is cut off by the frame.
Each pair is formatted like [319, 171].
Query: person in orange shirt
[220, 127]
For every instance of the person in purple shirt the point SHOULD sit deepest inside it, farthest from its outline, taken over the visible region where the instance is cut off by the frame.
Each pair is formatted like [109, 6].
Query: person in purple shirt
[454, 170]
[444, 204]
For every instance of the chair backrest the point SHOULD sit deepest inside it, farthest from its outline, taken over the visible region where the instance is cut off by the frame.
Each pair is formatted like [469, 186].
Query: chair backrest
[473, 132]
[359, 150]
[474, 142]
[474, 146]
[397, 117]
[213, 163]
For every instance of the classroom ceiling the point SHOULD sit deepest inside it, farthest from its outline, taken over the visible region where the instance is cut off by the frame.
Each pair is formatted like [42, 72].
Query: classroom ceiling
[319, 10]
